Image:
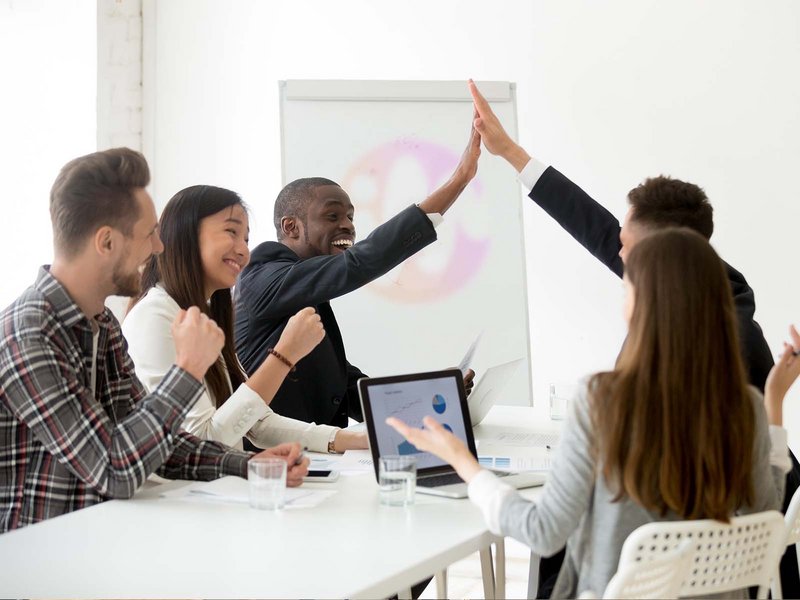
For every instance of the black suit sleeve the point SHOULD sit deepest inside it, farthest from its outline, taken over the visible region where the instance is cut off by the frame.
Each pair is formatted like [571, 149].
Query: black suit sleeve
[592, 226]
[597, 230]
[274, 290]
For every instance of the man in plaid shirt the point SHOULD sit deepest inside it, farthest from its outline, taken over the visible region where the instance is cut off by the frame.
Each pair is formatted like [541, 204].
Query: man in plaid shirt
[76, 425]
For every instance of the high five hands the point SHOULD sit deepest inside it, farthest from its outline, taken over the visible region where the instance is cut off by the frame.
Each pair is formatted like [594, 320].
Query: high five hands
[494, 137]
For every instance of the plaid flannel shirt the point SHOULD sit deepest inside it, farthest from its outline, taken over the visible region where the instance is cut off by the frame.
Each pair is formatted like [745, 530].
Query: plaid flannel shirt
[63, 447]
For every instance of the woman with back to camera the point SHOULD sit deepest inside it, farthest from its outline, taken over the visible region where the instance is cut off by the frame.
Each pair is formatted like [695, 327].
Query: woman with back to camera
[673, 432]
[205, 231]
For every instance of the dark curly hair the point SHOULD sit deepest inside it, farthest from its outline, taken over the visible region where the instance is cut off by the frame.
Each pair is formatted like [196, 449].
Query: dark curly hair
[665, 202]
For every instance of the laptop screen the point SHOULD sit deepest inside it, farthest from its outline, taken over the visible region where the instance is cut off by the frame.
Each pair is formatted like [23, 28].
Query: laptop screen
[410, 398]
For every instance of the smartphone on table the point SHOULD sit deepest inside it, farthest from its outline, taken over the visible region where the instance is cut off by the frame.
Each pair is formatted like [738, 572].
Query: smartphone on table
[318, 476]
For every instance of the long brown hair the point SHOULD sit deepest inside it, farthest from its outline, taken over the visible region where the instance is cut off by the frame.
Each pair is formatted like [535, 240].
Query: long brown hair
[179, 269]
[674, 421]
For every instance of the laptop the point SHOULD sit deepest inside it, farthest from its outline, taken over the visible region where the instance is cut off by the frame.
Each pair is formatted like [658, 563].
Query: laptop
[489, 388]
[439, 394]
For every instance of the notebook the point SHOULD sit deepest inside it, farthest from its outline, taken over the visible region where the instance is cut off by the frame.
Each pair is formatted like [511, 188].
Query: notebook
[439, 394]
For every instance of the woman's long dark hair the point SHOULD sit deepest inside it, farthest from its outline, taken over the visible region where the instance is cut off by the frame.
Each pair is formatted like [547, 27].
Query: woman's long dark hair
[674, 420]
[179, 269]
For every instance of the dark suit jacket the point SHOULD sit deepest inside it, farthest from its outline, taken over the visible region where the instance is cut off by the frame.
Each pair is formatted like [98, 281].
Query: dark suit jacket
[597, 230]
[277, 283]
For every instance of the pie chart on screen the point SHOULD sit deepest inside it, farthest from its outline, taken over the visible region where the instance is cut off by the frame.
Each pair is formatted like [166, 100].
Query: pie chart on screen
[439, 405]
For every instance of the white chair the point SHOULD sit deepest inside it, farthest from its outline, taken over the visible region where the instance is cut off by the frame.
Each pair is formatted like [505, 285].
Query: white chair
[792, 530]
[657, 578]
[723, 557]
[738, 555]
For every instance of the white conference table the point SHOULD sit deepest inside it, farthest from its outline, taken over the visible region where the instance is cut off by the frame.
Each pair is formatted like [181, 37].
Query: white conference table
[349, 546]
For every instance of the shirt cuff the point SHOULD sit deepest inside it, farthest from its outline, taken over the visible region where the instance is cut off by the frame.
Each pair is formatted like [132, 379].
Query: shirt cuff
[489, 494]
[435, 218]
[779, 453]
[234, 462]
[531, 173]
[331, 438]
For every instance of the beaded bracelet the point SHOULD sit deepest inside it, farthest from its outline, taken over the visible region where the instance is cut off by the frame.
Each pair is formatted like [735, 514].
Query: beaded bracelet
[283, 359]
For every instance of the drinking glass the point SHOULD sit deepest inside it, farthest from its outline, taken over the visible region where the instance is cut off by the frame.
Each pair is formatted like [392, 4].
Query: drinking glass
[397, 479]
[267, 482]
[561, 394]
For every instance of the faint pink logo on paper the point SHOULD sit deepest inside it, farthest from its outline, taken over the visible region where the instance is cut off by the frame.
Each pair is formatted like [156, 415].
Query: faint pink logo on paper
[468, 253]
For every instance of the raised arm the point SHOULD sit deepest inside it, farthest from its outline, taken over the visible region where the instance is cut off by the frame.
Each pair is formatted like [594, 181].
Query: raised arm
[592, 226]
[275, 285]
[280, 285]
[771, 460]
[781, 378]
[492, 133]
[444, 197]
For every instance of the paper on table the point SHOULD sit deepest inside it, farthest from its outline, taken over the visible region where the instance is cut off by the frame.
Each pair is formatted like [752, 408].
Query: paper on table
[234, 490]
[355, 460]
[515, 463]
[467, 360]
[516, 438]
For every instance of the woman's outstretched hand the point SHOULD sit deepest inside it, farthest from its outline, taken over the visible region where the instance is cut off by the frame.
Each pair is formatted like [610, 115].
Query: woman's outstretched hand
[437, 440]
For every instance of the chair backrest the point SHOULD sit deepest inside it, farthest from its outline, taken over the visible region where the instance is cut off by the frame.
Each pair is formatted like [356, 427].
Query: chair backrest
[660, 577]
[792, 520]
[792, 532]
[725, 557]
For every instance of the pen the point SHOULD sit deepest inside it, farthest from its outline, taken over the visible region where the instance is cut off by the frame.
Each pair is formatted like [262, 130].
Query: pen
[301, 456]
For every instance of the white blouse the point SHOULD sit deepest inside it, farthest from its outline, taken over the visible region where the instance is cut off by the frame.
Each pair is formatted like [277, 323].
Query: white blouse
[148, 330]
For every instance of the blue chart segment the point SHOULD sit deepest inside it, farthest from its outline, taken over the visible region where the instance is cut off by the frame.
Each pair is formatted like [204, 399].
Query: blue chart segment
[407, 448]
[439, 405]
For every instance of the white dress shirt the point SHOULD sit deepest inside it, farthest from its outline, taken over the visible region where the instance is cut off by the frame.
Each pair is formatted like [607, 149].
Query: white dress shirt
[148, 329]
[531, 173]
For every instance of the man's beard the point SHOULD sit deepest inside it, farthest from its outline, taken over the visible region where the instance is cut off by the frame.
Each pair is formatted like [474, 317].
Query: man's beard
[126, 284]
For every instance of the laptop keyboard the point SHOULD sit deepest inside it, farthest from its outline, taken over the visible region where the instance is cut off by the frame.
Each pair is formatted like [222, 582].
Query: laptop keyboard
[449, 479]
[439, 480]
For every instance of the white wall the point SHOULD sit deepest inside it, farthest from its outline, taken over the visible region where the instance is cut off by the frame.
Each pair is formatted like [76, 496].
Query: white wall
[119, 74]
[48, 72]
[119, 86]
[608, 92]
